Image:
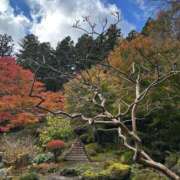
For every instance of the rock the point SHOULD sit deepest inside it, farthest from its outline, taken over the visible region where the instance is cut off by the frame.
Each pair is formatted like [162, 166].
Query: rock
[9, 178]
[56, 177]
[1, 156]
[1, 165]
[4, 173]
[1, 160]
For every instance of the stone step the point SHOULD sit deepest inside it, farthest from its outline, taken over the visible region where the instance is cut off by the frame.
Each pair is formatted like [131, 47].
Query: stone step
[76, 155]
[76, 159]
[78, 149]
[79, 155]
[76, 146]
[57, 177]
[77, 152]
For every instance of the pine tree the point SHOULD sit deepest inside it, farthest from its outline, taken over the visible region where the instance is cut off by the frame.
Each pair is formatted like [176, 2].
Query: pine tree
[6, 45]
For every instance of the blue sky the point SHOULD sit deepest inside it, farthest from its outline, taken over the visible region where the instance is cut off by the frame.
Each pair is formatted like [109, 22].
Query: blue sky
[51, 20]
[133, 11]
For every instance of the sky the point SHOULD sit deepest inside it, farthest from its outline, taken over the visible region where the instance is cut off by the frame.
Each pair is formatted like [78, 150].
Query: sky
[52, 20]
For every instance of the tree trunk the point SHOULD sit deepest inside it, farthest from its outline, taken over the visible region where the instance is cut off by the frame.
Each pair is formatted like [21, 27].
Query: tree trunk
[162, 168]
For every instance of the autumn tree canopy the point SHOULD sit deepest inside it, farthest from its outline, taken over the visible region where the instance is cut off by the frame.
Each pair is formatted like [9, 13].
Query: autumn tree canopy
[17, 108]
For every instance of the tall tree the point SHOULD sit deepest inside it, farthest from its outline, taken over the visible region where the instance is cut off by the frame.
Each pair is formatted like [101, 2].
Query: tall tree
[111, 38]
[84, 46]
[6, 45]
[28, 54]
[90, 51]
[32, 54]
[166, 24]
[132, 35]
[65, 55]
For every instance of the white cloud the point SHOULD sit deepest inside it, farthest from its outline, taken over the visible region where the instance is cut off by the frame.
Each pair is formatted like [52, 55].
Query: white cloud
[14, 25]
[58, 16]
[53, 19]
[148, 8]
[141, 4]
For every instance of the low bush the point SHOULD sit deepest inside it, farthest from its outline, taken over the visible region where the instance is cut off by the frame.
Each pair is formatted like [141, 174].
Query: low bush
[112, 171]
[173, 162]
[126, 157]
[45, 168]
[13, 148]
[30, 176]
[148, 174]
[95, 147]
[42, 158]
[87, 138]
[172, 159]
[70, 172]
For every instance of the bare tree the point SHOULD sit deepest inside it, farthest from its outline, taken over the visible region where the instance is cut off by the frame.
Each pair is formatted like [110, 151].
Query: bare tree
[140, 93]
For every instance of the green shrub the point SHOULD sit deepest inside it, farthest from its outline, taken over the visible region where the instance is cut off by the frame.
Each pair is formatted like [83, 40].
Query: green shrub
[126, 157]
[107, 136]
[95, 147]
[118, 170]
[81, 168]
[70, 172]
[90, 175]
[173, 162]
[57, 128]
[112, 171]
[148, 174]
[172, 159]
[42, 158]
[87, 138]
[30, 176]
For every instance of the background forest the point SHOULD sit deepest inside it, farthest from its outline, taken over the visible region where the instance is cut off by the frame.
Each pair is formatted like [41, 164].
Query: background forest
[93, 77]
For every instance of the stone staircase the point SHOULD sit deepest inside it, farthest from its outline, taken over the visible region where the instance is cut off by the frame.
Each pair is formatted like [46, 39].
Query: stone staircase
[77, 152]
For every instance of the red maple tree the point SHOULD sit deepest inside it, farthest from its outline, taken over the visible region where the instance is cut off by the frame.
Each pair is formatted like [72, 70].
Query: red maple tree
[17, 108]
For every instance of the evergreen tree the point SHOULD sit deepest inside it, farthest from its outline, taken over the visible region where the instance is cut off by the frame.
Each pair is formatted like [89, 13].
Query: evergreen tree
[147, 27]
[111, 36]
[34, 54]
[84, 52]
[6, 45]
[59, 65]
[132, 35]
[91, 51]
[65, 55]
[28, 54]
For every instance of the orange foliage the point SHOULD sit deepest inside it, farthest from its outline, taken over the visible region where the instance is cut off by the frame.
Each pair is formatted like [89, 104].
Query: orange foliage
[17, 108]
[145, 51]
